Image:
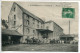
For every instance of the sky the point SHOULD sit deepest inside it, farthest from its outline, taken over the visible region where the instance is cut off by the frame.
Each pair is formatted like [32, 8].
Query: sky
[47, 11]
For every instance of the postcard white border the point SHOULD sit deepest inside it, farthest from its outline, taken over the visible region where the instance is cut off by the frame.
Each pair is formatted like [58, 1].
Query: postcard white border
[41, 1]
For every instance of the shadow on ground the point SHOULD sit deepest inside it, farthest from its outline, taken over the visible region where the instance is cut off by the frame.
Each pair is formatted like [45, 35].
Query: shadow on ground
[42, 47]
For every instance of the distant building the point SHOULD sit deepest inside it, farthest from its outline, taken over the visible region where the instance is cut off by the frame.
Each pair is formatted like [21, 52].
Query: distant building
[67, 38]
[29, 25]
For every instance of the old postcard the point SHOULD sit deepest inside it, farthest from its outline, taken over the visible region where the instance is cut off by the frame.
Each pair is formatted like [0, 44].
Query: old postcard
[39, 26]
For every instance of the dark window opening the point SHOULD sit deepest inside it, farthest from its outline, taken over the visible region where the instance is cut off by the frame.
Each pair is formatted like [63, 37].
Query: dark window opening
[33, 31]
[14, 16]
[14, 23]
[8, 19]
[14, 8]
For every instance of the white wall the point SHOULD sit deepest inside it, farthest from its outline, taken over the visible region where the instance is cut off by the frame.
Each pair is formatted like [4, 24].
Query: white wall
[49, 25]
[18, 19]
[57, 31]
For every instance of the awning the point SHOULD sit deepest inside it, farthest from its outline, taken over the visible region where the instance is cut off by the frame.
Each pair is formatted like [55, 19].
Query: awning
[44, 30]
[67, 36]
[10, 32]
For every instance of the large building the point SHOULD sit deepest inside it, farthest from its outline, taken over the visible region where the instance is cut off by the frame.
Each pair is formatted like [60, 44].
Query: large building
[29, 25]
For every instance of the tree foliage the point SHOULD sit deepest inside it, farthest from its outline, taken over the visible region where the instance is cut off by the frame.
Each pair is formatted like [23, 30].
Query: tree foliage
[4, 23]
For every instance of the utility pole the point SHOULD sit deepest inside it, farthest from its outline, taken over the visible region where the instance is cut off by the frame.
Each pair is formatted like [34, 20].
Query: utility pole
[69, 27]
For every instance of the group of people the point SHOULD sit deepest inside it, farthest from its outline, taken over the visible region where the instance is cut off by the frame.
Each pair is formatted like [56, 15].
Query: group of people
[32, 40]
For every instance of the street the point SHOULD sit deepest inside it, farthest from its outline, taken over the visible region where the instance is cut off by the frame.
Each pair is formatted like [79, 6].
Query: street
[42, 47]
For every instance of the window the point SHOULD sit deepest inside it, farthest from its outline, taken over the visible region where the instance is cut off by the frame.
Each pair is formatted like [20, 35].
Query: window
[27, 22]
[33, 31]
[8, 19]
[14, 16]
[38, 24]
[14, 8]
[41, 25]
[27, 16]
[14, 23]
[33, 21]
[28, 30]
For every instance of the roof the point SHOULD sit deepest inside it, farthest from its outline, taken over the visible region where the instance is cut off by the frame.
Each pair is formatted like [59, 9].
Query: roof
[55, 23]
[67, 35]
[49, 21]
[27, 12]
[10, 32]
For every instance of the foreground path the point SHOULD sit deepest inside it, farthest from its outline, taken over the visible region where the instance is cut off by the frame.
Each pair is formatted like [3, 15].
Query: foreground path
[43, 47]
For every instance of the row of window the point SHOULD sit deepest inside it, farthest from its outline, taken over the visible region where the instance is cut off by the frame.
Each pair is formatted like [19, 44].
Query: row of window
[28, 31]
[14, 20]
[28, 21]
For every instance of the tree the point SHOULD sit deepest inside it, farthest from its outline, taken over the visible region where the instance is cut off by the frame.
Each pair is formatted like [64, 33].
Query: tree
[4, 23]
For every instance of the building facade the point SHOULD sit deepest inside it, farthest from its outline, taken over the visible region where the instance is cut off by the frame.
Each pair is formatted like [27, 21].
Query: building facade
[29, 25]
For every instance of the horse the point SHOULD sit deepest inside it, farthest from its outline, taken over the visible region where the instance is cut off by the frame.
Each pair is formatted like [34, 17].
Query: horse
[35, 40]
[29, 40]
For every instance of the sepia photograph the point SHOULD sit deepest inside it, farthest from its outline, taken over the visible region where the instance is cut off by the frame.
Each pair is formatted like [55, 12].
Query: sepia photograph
[39, 26]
